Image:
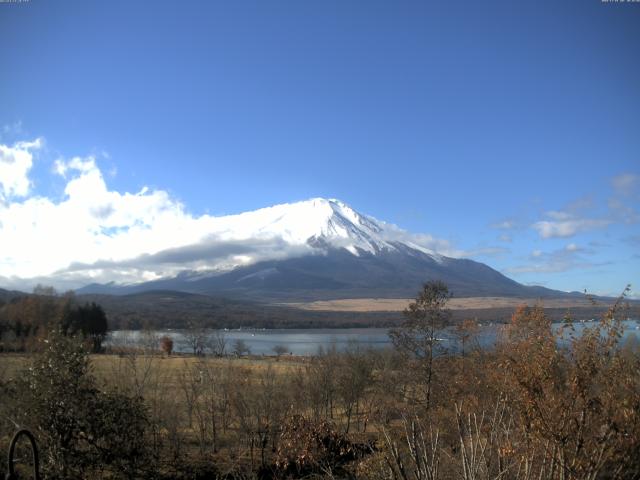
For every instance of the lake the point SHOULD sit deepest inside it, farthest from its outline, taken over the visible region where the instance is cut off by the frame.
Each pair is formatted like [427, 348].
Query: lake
[309, 341]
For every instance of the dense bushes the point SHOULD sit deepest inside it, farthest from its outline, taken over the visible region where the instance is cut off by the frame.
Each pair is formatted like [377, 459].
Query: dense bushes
[80, 428]
[309, 447]
[577, 407]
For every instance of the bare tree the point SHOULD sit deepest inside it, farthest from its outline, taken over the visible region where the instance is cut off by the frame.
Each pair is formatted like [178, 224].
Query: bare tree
[423, 445]
[216, 343]
[190, 382]
[280, 350]
[353, 376]
[241, 348]
[195, 339]
[149, 340]
[417, 337]
[213, 409]
[260, 407]
[321, 373]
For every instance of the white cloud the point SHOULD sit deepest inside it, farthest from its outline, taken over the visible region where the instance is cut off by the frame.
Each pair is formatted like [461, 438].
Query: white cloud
[425, 241]
[578, 216]
[505, 225]
[626, 184]
[486, 252]
[620, 212]
[568, 258]
[82, 165]
[96, 234]
[91, 223]
[559, 216]
[15, 163]
[568, 227]
[12, 129]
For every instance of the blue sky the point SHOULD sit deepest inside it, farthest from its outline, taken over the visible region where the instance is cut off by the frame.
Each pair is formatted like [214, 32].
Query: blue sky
[475, 122]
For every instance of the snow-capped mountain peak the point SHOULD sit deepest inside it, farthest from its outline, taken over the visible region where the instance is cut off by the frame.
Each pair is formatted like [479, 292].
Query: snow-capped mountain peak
[220, 244]
[318, 223]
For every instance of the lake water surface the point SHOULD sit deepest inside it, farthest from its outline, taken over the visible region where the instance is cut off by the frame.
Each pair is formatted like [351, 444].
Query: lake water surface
[309, 341]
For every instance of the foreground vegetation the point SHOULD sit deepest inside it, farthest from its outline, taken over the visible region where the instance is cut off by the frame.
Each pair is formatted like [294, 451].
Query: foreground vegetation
[528, 409]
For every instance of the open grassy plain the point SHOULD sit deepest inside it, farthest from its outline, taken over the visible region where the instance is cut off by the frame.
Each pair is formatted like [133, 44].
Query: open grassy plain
[399, 304]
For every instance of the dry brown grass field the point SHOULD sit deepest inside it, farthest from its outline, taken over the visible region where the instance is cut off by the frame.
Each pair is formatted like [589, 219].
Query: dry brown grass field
[399, 304]
[106, 366]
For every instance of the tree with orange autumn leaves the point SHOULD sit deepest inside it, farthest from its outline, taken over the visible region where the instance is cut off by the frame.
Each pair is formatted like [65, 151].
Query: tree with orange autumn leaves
[576, 397]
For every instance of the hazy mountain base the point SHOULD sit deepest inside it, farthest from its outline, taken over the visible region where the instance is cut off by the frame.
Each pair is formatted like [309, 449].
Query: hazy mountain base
[339, 274]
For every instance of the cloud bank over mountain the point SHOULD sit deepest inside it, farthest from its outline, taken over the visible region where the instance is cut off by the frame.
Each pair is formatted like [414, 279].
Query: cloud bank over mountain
[96, 234]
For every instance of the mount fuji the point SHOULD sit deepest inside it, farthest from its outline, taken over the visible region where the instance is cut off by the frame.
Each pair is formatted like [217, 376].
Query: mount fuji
[317, 249]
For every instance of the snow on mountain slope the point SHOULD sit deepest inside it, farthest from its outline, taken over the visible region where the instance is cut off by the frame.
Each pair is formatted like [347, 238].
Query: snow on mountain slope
[197, 248]
[318, 223]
